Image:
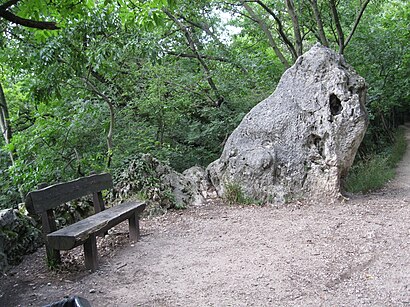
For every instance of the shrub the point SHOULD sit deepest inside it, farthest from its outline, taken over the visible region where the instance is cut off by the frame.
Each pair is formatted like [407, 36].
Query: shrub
[398, 149]
[369, 175]
[372, 173]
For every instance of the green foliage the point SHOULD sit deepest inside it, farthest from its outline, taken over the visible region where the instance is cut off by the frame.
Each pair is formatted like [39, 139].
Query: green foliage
[369, 175]
[9, 195]
[233, 194]
[380, 53]
[396, 152]
[52, 149]
[127, 65]
[73, 211]
[374, 172]
[52, 262]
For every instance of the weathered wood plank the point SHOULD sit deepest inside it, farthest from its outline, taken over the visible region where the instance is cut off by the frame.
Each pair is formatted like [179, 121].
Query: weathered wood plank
[50, 197]
[76, 234]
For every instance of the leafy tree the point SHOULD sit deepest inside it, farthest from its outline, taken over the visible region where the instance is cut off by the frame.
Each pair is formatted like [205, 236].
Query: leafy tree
[381, 55]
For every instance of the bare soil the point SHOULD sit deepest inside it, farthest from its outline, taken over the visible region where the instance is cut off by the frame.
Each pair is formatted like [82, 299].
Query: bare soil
[352, 253]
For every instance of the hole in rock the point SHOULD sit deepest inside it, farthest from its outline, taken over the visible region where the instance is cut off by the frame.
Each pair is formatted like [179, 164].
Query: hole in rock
[335, 105]
[317, 142]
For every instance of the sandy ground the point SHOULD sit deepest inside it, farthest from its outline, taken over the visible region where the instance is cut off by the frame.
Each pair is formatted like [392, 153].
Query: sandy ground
[355, 253]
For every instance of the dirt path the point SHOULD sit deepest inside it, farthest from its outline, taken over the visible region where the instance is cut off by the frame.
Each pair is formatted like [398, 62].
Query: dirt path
[348, 254]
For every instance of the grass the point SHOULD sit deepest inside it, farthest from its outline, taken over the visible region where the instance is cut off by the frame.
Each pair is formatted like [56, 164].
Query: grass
[234, 194]
[373, 173]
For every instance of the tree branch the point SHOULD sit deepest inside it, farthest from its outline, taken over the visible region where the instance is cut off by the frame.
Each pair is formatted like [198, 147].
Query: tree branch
[280, 29]
[42, 25]
[8, 4]
[339, 30]
[110, 104]
[356, 23]
[205, 27]
[208, 57]
[194, 49]
[296, 28]
[193, 56]
[268, 34]
[318, 18]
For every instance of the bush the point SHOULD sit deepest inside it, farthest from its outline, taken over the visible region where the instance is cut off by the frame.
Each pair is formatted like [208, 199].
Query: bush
[374, 172]
[397, 151]
[369, 175]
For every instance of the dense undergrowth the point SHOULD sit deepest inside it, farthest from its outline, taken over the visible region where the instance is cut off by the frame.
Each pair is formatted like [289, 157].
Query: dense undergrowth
[375, 171]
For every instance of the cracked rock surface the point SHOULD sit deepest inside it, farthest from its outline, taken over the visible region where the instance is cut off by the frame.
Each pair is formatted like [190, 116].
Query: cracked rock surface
[300, 141]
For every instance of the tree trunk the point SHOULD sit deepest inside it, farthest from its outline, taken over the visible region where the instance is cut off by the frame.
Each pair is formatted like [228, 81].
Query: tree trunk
[319, 23]
[4, 122]
[356, 23]
[280, 29]
[339, 30]
[6, 130]
[94, 89]
[110, 133]
[192, 45]
[296, 28]
[268, 34]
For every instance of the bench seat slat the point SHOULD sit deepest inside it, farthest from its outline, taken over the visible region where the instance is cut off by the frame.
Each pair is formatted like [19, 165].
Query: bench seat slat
[77, 233]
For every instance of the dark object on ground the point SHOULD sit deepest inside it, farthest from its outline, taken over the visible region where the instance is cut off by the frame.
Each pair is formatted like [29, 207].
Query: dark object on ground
[44, 200]
[73, 301]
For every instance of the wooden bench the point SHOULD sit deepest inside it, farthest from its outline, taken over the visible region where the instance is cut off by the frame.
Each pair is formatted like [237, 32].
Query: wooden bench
[45, 199]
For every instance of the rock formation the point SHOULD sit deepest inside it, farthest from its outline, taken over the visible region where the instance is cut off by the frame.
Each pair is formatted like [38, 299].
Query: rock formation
[300, 141]
[18, 237]
[160, 185]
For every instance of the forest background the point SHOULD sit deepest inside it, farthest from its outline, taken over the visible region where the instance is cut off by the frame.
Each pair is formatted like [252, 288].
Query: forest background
[90, 85]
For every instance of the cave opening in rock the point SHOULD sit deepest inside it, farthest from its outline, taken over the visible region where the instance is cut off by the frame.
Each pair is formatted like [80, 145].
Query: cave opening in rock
[335, 105]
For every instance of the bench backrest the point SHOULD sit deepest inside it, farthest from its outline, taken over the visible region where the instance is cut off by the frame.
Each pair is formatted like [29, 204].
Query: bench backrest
[42, 200]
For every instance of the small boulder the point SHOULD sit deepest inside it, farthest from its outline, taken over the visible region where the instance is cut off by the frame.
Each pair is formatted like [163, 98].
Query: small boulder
[18, 237]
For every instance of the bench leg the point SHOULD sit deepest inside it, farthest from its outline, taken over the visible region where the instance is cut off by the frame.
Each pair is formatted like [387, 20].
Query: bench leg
[134, 224]
[90, 253]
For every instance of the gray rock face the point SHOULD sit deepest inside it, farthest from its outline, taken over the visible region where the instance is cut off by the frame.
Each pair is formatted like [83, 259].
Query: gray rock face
[7, 217]
[196, 175]
[300, 141]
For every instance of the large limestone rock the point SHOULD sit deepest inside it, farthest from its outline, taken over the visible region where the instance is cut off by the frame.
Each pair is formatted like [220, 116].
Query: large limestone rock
[300, 141]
